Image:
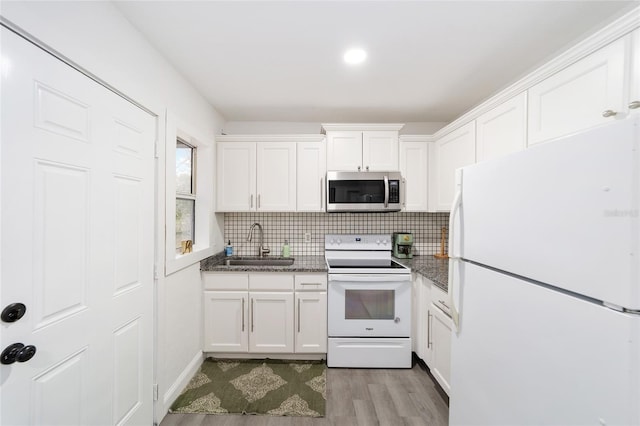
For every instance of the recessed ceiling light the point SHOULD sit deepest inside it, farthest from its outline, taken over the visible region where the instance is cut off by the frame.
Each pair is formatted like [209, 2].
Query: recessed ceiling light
[355, 56]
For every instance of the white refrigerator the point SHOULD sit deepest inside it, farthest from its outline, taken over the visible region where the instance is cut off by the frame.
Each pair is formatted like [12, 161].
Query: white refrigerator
[545, 284]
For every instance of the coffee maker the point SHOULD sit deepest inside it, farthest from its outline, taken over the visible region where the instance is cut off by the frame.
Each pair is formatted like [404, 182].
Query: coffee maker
[402, 244]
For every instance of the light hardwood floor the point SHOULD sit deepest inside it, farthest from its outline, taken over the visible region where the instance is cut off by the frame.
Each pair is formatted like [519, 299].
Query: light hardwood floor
[362, 397]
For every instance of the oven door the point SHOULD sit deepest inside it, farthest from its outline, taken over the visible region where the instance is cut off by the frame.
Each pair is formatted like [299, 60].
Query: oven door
[369, 305]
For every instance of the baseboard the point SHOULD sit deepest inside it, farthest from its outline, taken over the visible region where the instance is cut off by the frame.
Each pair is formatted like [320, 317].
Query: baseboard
[181, 382]
[257, 355]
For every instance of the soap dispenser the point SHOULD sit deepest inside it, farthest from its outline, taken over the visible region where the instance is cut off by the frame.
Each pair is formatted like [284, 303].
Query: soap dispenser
[228, 250]
[286, 250]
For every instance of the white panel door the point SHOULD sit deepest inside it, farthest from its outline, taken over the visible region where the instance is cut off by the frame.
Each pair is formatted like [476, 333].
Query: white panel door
[522, 347]
[236, 176]
[311, 322]
[502, 130]
[565, 209]
[311, 170]
[454, 150]
[634, 93]
[344, 151]
[276, 176]
[226, 321]
[77, 178]
[271, 322]
[577, 97]
[414, 167]
[380, 150]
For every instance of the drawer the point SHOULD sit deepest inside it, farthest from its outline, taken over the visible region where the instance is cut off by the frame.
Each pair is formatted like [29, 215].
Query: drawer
[310, 282]
[271, 281]
[441, 300]
[216, 281]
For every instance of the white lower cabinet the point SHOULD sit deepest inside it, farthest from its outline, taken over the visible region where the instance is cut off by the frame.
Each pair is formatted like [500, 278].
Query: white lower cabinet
[440, 357]
[261, 312]
[228, 308]
[271, 316]
[432, 330]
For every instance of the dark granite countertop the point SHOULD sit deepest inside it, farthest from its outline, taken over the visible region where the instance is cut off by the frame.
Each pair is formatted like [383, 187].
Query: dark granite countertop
[436, 270]
[300, 264]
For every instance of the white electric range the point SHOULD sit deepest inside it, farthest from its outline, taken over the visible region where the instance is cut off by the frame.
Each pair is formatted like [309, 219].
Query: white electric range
[369, 303]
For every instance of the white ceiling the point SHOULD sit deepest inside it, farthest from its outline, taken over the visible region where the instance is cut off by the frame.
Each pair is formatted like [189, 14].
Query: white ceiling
[427, 60]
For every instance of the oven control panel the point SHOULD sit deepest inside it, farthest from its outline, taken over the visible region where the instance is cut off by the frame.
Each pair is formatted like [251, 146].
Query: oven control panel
[357, 242]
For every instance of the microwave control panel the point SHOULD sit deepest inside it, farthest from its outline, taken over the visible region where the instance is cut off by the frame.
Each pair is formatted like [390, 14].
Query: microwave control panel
[394, 191]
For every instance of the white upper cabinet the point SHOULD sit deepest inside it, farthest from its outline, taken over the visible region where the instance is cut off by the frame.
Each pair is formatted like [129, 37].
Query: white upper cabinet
[255, 176]
[236, 176]
[380, 150]
[634, 87]
[502, 130]
[276, 176]
[311, 172]
[414, 167]
[454, 150]
[362, 147]
[344, 150]
[585, 94]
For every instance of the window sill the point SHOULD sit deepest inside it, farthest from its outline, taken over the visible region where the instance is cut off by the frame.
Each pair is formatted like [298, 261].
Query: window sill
[181, 261]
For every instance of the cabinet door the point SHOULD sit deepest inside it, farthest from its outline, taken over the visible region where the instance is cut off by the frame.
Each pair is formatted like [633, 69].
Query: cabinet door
[380, 150]
[271, 328]
[311, 171]
[225, 321]
[236, 176]
[454, 150]
[634, 94]
[502, 130]
[579, 96]
[344, 151]
[311, 322]
[276, 176]
[441, 350]
[414, 167]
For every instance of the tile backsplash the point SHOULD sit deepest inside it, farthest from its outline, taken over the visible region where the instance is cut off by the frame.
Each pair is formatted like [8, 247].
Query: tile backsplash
[426, 229]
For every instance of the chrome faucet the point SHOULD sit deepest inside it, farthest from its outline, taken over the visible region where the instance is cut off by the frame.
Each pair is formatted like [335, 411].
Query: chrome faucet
[262, 250]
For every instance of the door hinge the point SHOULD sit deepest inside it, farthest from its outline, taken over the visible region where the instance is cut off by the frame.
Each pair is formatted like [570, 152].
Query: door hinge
[155, 391]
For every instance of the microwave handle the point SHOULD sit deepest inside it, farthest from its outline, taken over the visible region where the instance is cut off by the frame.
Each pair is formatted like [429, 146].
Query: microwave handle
[386, 191]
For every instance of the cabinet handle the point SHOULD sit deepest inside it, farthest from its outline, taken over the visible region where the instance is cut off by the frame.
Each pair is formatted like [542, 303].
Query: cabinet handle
[609, 113]
[428, 329]
[298, 315]
[367, 168]
[243, 314]
[252, 314]
[634, 105]
[359, 168]
[251, 200]
[258, 200]
[321, 193]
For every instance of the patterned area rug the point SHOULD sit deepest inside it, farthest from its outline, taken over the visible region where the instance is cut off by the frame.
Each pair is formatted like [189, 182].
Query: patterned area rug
[273, 387]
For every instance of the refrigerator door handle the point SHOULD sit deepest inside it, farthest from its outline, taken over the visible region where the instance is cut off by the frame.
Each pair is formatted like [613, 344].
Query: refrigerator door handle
[453, 257]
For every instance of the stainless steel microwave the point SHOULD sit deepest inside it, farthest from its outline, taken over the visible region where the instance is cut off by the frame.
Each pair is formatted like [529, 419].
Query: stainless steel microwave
[364, 192]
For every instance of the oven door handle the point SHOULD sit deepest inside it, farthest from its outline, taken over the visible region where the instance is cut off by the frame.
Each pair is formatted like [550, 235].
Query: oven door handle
[361, 278]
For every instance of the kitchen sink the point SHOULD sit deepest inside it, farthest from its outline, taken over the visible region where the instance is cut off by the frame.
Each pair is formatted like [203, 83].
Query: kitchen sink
[259, 262]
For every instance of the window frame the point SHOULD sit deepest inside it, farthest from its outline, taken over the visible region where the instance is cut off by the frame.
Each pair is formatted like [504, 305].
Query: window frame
[204, 244]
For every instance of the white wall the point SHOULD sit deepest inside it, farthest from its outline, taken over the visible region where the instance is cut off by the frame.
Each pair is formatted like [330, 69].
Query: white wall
[97, 37]
[288, 127]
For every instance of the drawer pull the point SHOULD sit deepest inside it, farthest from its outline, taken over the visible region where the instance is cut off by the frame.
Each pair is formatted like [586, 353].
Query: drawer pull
[634, 105]
[609, 113]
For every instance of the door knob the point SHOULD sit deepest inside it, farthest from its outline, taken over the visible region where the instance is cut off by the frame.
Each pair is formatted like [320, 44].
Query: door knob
[17, 352]
[13, 312]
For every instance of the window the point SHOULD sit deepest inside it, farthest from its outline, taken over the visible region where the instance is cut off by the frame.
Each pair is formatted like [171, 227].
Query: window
[192, 232]
[185, 194]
